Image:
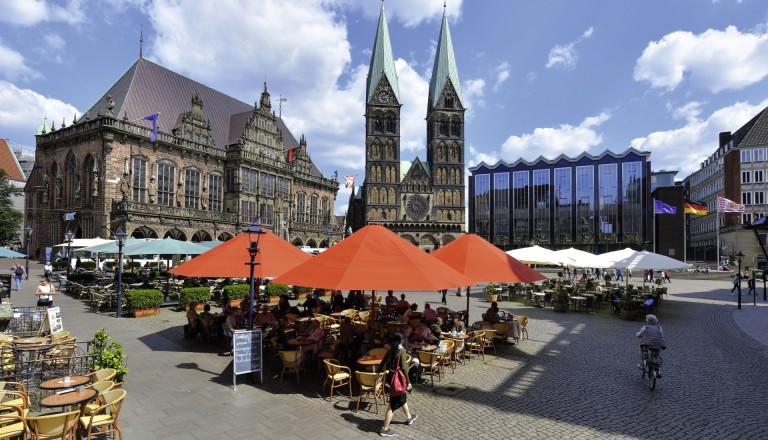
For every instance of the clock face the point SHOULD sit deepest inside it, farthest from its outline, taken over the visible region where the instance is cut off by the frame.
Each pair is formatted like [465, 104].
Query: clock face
[416, 207]
[383, 97]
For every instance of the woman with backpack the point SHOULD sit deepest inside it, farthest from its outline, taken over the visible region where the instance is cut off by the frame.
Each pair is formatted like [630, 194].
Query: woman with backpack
[394, 363]
[18, 274]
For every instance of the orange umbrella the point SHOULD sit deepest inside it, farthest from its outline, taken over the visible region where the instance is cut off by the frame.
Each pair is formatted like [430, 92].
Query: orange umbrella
[473, 256]
[230, 259]
[374, 258]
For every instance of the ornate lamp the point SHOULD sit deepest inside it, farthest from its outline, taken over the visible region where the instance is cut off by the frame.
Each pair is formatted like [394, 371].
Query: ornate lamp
[69, 235]
[120, 237]
[254, 233]
[739, 258]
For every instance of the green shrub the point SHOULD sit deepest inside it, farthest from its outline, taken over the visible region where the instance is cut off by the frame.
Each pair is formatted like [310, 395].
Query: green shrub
[144, 298]
[273, 289]
[82, 278]
[236, 291]
[131, 265]
[88, 265]
[108, 354]
[490, 289]
[59, 264]
[200, 295]
[300, 290]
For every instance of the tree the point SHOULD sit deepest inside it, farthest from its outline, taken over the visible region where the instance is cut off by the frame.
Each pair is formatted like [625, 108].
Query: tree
[10, 218]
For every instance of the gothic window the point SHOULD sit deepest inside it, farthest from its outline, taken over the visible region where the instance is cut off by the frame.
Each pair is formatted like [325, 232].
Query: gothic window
[443, 128]
[215, 192]
[390, 150]
[391, 200]
[72, 186]
[139, 179]
[230, 179]
[284, 188]
[248, 180]
[192, 188]
[266, 214]
[449, 217]
[247, 211]
[378, 126]
[374, 195]
[390, 124]
[165, 188]
[376, 150]
[441, 152]
[326, 214]
[89, 172]
[456, 128]
[456, 197]
[383, 214]
[313, 209]
[300, 207]
[267, 185]
[449, 101]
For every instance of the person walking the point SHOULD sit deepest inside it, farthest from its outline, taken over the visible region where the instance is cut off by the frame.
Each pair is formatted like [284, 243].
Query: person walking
[751, 285]
[18, 274]
[394, 357]
[44, 293]
[736, 281]
[444, 292]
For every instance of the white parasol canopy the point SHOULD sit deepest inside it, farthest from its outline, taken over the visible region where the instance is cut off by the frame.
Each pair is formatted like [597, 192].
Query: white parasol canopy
[632, 259]
[583, 258]
[539, 255]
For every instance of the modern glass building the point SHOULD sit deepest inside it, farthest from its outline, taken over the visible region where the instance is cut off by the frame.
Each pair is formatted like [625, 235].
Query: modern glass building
[594, 203]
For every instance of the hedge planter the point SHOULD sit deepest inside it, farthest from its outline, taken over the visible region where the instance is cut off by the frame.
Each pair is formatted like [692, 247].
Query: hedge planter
[144, 302]
[200, 295]
[491, 297]
[140, 313]
[234, 293]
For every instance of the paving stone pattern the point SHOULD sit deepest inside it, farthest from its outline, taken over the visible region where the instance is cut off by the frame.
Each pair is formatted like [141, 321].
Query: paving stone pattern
[575, 378]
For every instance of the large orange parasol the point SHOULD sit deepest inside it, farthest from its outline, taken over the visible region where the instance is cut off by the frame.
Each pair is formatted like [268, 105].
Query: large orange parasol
[230, 259]
[473, 256]
[374, 258]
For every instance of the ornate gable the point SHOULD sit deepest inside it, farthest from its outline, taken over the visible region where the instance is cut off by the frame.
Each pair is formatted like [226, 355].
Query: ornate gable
[193, 126]
[417, 178]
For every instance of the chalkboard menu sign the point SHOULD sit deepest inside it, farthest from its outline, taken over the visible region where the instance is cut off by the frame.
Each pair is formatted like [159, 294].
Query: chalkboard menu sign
[246, 352]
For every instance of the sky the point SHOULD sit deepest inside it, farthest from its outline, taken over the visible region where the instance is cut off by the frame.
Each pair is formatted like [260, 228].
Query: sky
[539, 78]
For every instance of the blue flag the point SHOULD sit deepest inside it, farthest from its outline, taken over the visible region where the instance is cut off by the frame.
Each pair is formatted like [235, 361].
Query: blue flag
[153, 118]
[660, 207]
[69, 216]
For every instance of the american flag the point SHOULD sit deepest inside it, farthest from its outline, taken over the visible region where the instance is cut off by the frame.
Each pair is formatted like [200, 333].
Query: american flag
[349, 181]
[725, 205]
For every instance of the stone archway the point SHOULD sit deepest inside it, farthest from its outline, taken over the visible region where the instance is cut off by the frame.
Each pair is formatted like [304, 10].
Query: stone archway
[447, 239]
[428, 242]
[410, 238]
[312, 243]
[224, 236]
[297, 242]
[144, 232]
[201, 236]
[176, 234]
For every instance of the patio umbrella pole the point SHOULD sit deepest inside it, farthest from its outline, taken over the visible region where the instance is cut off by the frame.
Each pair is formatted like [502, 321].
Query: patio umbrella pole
[373, 309]
[466, 317]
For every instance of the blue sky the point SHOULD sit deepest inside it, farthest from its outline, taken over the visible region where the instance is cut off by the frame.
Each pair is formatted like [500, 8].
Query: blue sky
[539, 77]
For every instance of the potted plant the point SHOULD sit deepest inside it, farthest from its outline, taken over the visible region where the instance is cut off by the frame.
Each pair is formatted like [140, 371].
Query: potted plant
[144, 302]
[629, 308]
[560, 300]
[607, 277]
[490, 292]
[199, 295]
[108, 354]
[274, 291]
[234, 293]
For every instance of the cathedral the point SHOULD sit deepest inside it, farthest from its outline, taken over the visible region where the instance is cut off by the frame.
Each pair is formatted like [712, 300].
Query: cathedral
[422, 201]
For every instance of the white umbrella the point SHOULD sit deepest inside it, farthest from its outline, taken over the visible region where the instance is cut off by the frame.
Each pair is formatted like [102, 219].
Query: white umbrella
[583, 258]
[631, 259]
[539, 255]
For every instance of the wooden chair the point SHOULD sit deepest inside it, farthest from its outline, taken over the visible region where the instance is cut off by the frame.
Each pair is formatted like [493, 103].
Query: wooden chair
[501, 333]
[103, 420]
[54, 426]
[489, 338]
[103, 374]
[371, 387]
[13, 396]
[429, 363]
[523, 320]
[476, 343]
[102, 387]
[338, 375]
[14, 424]
[447, 358]
[377, 351]
[293, 361]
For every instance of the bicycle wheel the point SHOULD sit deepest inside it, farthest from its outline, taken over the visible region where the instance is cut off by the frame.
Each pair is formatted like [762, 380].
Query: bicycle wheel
[644, 368]
[651, 377]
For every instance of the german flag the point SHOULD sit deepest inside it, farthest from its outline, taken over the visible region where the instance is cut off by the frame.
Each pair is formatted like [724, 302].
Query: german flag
[691, 207]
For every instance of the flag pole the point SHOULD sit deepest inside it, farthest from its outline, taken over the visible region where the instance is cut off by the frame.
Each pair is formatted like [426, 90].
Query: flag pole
[685, 238]
[654, 226]
[717, 230]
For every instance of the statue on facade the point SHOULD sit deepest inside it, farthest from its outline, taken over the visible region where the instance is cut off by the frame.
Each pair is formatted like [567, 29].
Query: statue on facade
[45, 187]
[152, 190]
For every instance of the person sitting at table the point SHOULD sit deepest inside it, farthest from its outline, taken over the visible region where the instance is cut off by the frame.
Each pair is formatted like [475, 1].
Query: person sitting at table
[437, 328]
[265, 318]
[390, 299]
[422, 333]
[406, 316]
[590, 285]
[457, 325]
[350, 336]
[283, 305]
[146, 284]
[309, 305]
[492, 314]
[429, 314]
[230, 325]
[402, 305]
[316, 334]
[193, 321]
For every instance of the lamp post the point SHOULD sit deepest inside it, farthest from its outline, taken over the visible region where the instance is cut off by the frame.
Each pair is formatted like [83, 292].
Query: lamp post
[28, 230]
[69, 236]
[254, 233]
[120, 237]
[739, 257]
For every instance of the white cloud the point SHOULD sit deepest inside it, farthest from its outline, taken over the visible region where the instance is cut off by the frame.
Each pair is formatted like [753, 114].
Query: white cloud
[54, 41]
[714, 60]
[473, 91]
[684, 148]
[549, 142]
[23, 110]
[531, 77]
[475, 157]
[689, 111]
[14, 65]
[410, 13]
[564, 55]
[502, 75]
[32, 12]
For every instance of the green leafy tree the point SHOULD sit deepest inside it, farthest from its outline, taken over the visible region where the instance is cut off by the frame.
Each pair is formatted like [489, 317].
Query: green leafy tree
[10, 218]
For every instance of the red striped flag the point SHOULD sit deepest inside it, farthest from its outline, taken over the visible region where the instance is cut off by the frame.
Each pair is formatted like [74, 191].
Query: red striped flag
[725, 205]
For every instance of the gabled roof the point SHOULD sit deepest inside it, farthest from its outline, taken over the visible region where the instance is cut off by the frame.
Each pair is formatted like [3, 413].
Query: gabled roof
[542, 159]
[382, 61]
[444, 68]
[754, 133]
[10, 164]
[406, 165]
[147, 88]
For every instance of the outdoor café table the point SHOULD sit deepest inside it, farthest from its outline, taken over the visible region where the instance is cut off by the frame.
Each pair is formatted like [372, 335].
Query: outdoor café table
[370, 361]
[537, 297]
[75, 397]
[300, 342]
[58, 383]
[32, 340]
[579, 302]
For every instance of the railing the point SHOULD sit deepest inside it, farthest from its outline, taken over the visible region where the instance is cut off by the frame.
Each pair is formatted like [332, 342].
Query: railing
[171, 211]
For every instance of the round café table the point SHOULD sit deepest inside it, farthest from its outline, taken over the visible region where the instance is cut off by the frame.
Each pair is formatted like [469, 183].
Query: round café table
[32, 340]
[59, 383]
[370, 361]
[71, 398]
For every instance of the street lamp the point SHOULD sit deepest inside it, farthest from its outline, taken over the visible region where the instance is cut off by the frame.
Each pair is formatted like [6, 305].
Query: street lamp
[28, 230]
[120, 237]
[739, 256]
[254, 232]
[69, 236]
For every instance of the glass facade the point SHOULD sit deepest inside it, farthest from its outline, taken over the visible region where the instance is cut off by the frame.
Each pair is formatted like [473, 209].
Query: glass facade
[563, 205]
[482, 203]
[632, 201]
[541, 204]
[501, 208]
[585, 198]
[520, 204]
[608, 198]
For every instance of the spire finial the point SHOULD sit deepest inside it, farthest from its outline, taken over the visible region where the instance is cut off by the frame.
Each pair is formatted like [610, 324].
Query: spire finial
[141, 42]
[382, 5]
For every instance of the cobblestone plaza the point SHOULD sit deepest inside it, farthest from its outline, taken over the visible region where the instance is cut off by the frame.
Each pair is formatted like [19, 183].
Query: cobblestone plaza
[574, 378]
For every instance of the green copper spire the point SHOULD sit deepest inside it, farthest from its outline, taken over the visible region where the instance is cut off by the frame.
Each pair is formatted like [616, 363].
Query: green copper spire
[444, 67]
[382, 61]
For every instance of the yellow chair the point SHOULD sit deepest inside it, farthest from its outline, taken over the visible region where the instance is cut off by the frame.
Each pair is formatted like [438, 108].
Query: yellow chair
[60, 335]
[371, 387]
[489, 339]
[13, 395]
[104, 418]
[103, 374]
[429, 363]
[293, 361]
[523, 320]
[14, 425]
[501, 332]
[54, 426]
[328, 352]
[447, 359]
[338, 376]
[377, 351]
[458, 350]
[102, 387]
[476, 343]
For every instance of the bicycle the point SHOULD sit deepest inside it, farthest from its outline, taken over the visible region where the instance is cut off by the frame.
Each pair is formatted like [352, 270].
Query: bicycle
[651, 364]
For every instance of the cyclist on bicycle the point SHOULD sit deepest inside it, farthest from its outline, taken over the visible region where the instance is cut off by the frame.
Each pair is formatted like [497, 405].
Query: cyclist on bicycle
[651, 335]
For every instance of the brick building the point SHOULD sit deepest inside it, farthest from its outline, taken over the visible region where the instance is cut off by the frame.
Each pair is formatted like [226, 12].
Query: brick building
[217, 164]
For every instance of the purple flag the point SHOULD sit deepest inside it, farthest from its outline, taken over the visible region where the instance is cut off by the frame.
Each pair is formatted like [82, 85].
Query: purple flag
[153, 118]
[660, 207]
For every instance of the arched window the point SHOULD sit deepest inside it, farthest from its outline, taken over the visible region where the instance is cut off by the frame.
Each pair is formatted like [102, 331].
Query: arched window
[72, 185]
[300, 207]
[313, 209]
[90, 171]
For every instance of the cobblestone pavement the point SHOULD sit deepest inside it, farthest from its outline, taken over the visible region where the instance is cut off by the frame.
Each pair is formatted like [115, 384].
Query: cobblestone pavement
[575, 378]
